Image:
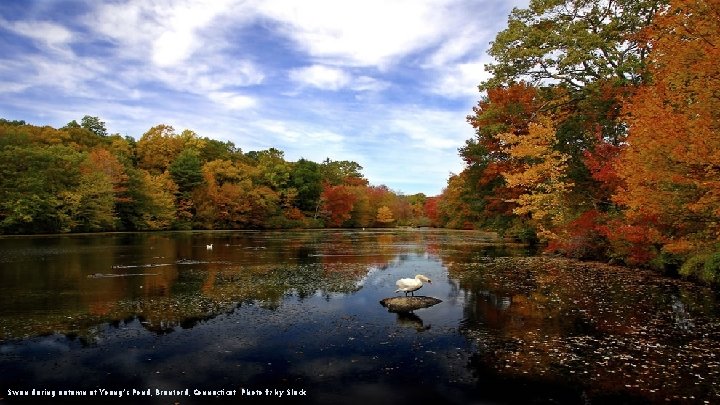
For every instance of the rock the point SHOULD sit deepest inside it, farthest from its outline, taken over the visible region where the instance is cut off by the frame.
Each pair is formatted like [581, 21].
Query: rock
[408, 304]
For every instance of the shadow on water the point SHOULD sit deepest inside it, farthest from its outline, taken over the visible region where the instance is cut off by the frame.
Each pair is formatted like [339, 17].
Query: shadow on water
[300, 310]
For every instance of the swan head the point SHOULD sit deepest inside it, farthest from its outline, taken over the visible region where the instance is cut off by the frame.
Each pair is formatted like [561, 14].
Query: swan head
[423, 278]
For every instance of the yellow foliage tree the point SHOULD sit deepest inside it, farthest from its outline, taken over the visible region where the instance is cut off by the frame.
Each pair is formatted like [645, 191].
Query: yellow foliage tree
[384, 215]
[541, 175]
[159, 208]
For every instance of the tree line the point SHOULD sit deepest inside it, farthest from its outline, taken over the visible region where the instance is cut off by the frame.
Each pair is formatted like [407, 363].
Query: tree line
[598, 133]
[79, 178]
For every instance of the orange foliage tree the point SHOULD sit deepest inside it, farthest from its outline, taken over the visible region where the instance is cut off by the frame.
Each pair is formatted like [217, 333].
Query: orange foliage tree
[671, 164]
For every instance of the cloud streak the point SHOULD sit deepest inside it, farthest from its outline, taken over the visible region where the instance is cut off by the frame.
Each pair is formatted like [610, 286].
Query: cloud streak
[385, 83]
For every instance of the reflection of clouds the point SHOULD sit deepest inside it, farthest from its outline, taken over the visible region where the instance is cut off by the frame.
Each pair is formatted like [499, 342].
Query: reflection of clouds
[371, 276]
[500, 302]
[682, 318]
[237, 340]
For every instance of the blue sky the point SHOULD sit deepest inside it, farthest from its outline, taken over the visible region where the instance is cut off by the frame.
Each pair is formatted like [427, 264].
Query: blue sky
[384, 83]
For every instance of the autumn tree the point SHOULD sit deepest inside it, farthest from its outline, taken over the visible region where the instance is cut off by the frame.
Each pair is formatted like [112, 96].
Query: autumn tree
[384, 216]
[78, 178]
[101, 160]
[156, 199]
[337, 202]
[455, 204]
[671, 166]
[430, 210]
[572, 43]
[488, 198]
[542, 176]
[89, 207]
[361, 215]
[157, 148]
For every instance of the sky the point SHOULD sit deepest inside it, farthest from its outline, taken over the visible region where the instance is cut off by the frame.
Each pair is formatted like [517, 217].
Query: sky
[385, 83]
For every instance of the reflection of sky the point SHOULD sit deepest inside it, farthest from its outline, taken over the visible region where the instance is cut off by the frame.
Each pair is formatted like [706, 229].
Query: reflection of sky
[317, 324]
[320, 340]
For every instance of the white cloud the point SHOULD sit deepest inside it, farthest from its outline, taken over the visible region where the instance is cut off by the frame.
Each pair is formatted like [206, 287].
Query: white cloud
[460, 80]
[322, 77]
[217, 74]
[232, 101]
[181, 31]
[468, 39]
[131, 26]
[365, 83]
[178, 44]
[52, 35]
[299, 132]
[432, 129]
[324, 136]
[332, 78]
[165, 33]
[367, 33]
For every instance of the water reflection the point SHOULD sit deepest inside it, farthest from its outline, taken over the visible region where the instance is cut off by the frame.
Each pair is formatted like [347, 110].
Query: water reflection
[412, 321]
[603, 330]
[301, 309]
[168, 277]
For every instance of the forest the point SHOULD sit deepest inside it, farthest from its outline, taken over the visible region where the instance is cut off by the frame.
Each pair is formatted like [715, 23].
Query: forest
[78, 178]
[596, 134]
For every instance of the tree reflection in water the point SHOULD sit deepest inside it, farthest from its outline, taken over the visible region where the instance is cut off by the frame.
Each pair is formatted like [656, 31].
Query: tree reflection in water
[300, 308]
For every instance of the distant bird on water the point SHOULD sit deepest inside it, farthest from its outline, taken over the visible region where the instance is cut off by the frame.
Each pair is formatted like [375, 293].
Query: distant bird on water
[410, 285]
[209, 247]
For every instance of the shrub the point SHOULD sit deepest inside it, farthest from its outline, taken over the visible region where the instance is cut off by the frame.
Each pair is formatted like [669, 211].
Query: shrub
[711, 269]
[702, 267]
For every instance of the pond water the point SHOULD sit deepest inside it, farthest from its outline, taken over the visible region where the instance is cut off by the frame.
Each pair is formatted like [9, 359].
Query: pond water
[295, 316]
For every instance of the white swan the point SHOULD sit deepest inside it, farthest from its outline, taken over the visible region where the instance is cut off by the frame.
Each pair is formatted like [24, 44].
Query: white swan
[410, 285]
[209, 247]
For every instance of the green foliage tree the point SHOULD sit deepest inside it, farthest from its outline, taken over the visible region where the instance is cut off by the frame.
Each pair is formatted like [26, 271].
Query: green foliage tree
[336, 172]
[89, 207]
[94, 125]
[16, 123]
[306, 178]
[572, 43]
[186, 171]
[32, 178]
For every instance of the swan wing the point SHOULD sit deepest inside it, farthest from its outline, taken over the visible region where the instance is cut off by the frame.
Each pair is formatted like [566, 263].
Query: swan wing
[408, 284]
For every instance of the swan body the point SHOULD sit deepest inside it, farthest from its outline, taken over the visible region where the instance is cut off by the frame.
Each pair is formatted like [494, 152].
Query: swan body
[410, 285]
[209, 247]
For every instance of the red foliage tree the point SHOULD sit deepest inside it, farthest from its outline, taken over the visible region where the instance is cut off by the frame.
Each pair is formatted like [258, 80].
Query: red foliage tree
[338, 202]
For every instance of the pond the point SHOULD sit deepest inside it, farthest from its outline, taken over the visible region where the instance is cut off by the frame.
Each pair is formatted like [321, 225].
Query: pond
[295, 317]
